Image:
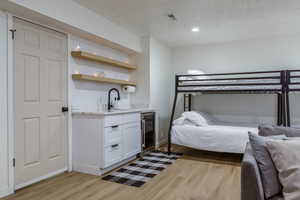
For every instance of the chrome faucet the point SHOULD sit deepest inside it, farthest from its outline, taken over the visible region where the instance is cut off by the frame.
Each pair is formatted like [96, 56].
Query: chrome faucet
[109, 105]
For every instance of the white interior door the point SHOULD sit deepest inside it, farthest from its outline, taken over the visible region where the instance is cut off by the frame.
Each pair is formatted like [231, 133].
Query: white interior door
[40, 93]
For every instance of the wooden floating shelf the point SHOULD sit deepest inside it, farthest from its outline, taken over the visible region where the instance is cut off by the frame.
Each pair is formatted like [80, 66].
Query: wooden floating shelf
[101, 59]
[83, 77]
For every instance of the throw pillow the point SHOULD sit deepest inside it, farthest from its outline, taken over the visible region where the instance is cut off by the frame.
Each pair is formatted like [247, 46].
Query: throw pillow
[286, 156]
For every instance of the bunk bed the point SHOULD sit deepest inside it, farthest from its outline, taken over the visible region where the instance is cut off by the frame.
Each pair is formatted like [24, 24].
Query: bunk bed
[262, 82]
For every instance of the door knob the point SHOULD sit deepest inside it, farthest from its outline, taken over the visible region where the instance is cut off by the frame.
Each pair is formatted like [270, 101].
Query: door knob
[64, 109]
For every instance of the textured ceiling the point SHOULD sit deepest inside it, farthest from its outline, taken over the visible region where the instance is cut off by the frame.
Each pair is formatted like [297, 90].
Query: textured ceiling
[218, 20]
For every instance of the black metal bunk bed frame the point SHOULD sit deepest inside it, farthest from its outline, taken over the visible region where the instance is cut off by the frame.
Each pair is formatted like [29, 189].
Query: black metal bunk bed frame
[283, 77]
[290, 75]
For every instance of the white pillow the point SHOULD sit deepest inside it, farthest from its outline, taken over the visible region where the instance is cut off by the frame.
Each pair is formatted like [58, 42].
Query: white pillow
[179, 121]
[182, 121]
[195, 118]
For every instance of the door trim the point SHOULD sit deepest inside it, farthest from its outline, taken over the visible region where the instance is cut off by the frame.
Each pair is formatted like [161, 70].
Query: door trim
[10, 93]
[11, 106]
[69, 100]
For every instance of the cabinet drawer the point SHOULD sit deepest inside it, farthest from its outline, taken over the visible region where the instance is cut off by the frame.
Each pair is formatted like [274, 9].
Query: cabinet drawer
[111, 134]
[112, 120]
[133, 117]
[112, 154]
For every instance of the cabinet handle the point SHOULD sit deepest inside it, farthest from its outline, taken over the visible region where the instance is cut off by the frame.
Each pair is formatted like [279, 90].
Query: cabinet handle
[114, 146]
[116, 126]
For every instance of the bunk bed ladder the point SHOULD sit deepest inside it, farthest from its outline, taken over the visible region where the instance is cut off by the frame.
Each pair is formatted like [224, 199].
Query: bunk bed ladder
[287, 82]
[283, 97]
[187, 104]
[279, 109]
[172, 115]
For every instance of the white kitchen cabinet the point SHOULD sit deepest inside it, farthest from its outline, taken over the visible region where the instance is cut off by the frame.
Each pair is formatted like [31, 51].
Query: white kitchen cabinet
[103, 142]
[131, 139]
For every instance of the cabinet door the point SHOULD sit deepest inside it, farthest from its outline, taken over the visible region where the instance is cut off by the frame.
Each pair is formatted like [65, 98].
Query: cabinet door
[131, 139]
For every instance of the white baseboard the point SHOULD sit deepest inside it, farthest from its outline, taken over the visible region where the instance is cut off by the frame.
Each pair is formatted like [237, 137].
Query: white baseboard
[124, 162]
[86, 169]
[94, 170]
[5, 192]
[41, 178]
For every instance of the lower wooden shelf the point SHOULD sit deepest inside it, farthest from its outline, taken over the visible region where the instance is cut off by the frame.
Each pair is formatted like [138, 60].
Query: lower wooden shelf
[83, 77]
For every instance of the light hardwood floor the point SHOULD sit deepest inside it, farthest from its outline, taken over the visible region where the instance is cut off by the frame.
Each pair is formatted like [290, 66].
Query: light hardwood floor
[197, 175]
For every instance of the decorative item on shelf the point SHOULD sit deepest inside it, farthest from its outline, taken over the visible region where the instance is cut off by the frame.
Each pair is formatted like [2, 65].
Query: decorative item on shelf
[76, 72]
[128, 89]
[77, 48]
[99, 74]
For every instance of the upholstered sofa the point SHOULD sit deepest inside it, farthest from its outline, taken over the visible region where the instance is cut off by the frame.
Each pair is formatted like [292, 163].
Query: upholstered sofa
[251, 183]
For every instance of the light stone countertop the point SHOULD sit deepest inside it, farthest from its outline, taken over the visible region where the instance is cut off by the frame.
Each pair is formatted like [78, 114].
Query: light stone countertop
[113, 112]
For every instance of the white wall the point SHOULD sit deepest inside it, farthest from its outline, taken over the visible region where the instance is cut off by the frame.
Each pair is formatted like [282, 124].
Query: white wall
[70, 13]
[272, 53]
[154, 76]
[141, 98]
[160, 84]
[86, 96]
[4, 171]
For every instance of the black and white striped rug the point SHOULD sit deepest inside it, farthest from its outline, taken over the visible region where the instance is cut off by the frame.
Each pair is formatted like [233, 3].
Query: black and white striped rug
[142, 170]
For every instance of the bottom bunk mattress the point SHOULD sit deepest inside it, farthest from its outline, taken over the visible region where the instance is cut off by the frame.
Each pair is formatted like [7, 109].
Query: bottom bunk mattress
[217, 138]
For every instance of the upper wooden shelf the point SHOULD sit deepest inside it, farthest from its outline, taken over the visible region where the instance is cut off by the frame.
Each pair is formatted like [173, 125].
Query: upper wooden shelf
[84, 77]
[101, 59]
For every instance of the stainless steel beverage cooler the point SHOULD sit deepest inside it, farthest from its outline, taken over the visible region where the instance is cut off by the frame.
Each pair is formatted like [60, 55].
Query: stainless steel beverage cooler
[148, 130]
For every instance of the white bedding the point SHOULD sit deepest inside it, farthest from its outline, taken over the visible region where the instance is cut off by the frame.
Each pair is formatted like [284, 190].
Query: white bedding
[217, 138]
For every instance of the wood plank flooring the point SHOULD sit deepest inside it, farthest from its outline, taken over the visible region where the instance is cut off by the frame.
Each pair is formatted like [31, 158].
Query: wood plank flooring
[197, 175]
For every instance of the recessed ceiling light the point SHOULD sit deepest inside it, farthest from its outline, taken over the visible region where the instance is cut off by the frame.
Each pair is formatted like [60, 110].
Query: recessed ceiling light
[195, 29]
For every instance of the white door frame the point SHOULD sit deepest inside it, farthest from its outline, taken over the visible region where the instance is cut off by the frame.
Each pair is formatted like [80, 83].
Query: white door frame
[11, 117]
[10, 85]
[4, 141]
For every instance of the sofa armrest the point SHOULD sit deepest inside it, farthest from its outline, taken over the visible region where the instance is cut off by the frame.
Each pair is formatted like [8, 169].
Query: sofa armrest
[251, 185]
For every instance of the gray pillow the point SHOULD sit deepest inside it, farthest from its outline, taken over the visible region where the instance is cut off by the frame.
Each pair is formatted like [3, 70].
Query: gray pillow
[268, 130]
[286, 156]
[269, 174]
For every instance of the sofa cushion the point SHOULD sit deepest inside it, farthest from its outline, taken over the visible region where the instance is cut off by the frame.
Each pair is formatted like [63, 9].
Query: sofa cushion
[286, 156]
[268, 130]
[269, 174]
